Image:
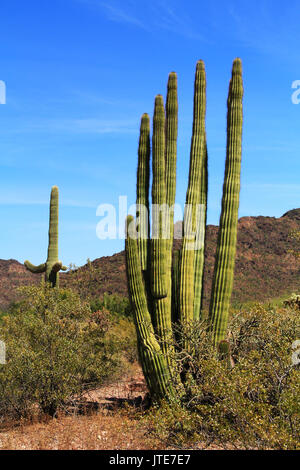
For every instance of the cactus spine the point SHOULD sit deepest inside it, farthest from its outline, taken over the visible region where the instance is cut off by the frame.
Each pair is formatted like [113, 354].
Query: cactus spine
[163, 291]
[52, 266]
[226, 246]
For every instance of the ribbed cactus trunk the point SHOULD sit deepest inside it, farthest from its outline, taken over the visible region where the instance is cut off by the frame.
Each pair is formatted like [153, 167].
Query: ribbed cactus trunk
[166, 289]
[153, 361]
[201, 230]
[142, 191]
[171, 156]
[160, 267]
[171, 128]
[158, 241]
[149, 282]
[52, 266]
[227, 236]
[191, 268]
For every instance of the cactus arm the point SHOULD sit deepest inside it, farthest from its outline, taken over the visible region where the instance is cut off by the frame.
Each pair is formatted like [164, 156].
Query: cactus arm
[171, 143]
[35, 269]
[142, 190]
[175, 284]
[160, 264]
[227, 236]
[53, 272]
[170, 162]
[186, 306]
[56, 267]
[158, 243]
[152, 359]
[199, 253]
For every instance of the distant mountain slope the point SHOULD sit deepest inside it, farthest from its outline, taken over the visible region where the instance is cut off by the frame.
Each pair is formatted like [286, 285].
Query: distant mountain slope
[264, 268]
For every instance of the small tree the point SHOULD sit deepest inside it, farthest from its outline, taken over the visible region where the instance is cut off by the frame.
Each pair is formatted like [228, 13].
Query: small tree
[56, 349]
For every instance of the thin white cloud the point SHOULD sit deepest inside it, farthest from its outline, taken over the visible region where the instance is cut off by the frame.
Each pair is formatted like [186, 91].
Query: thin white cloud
[150, 16]
[179, 23]
[120, 16]
[115, 13]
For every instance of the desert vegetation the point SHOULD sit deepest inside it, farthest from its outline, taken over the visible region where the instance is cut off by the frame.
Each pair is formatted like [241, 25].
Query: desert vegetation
[198, 375]
[251, 402]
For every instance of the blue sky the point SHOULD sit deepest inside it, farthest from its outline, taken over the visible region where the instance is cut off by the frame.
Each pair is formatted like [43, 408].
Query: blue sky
[80, 73]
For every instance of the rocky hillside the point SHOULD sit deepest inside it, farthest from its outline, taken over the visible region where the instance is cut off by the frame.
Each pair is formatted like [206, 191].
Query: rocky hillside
[264, 268]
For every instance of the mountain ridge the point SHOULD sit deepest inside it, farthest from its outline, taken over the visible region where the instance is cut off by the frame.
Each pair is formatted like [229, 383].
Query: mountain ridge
[264, 268]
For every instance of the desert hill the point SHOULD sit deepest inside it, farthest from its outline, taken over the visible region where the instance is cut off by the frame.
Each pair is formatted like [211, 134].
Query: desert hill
[264, 267]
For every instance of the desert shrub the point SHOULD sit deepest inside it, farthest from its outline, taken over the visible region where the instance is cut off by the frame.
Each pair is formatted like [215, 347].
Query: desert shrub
[119, 307]
[122, 332]
[123, 336]
[56, 349]
[251, 401]
[85, 280]
[293, 301]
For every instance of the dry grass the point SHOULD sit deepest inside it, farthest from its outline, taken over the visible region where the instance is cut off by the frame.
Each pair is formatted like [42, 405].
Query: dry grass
[111, 427]
[114, 426]
[106, 430]
[101, 431]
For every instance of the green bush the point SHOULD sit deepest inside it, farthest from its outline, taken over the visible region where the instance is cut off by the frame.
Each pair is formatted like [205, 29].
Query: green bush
[119, 307]
[57, 348]
[293, 301]
[122, 332]
[123, 336]
[248, 400]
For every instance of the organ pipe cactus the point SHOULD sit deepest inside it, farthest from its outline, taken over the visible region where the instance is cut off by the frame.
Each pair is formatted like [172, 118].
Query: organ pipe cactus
[227, 235]
[142, 189]
[154, 363]
[52, 266]
[162, 291]
[197, 186]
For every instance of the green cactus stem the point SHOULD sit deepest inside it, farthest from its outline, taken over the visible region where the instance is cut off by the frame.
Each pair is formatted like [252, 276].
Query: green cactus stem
[175, 284]
[225, 353]
[52, 266]
[193, 198]
[158, 242]
[166, 290]
[142, 190]
[153, 361]
[227, 236]
[201, 230]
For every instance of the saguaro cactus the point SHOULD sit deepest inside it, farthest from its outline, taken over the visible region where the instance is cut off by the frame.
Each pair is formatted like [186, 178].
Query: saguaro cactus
[163, 292]
[52, 266]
